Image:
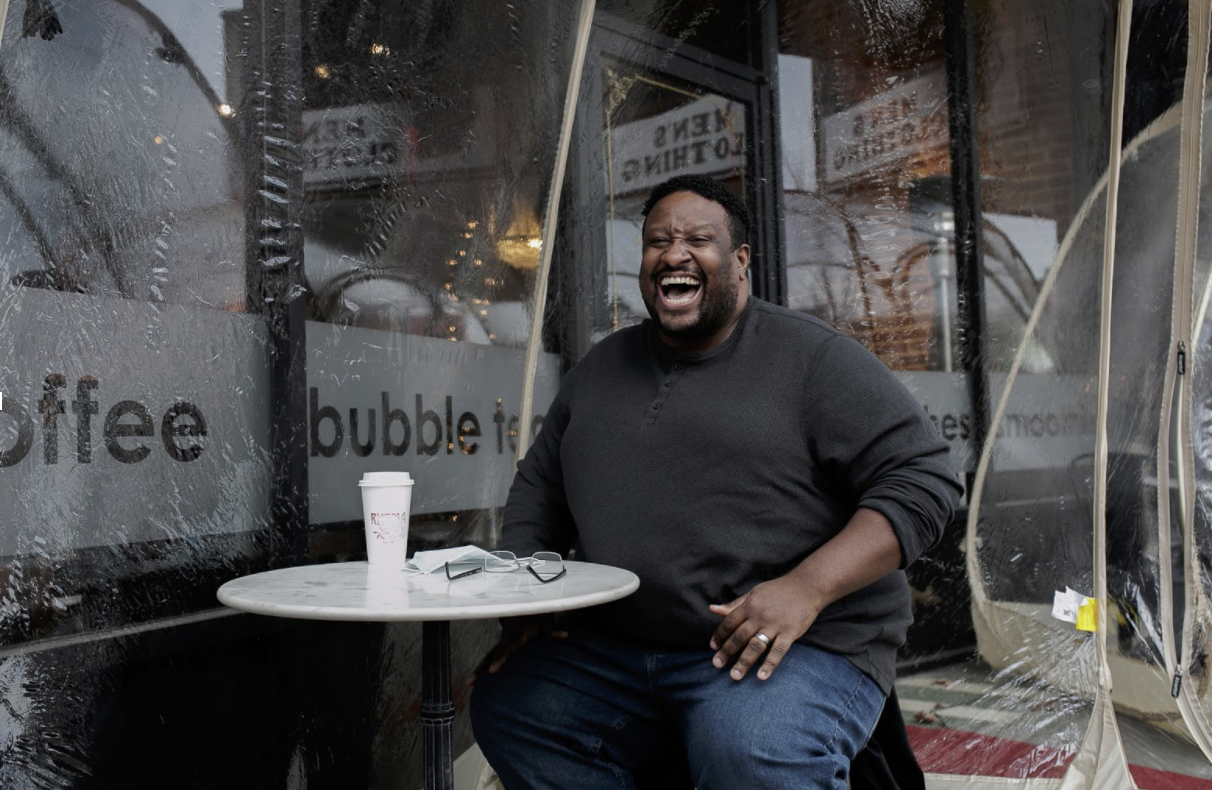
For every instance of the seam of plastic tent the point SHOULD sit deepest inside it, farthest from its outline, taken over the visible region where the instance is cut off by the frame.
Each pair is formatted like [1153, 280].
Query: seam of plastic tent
[1201, 314]
[1182, 333]
[538, 303]
[1182, 330]
[1101, 753]
[1104, 338]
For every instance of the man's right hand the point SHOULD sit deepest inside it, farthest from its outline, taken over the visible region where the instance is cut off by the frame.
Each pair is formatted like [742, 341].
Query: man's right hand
[516, 632]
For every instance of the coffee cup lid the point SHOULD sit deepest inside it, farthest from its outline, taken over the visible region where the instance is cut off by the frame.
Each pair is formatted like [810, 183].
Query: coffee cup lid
[386, 478]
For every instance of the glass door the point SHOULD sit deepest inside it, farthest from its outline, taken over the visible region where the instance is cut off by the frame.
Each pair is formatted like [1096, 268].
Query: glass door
[650, 110]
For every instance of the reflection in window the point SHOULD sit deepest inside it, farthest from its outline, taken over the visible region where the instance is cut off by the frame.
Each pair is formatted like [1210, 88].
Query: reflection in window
[867, 194]
[117, 168]
[422, 171]
[865, 173]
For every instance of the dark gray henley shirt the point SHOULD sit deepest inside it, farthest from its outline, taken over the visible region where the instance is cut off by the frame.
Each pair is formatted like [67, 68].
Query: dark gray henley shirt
[706, 474]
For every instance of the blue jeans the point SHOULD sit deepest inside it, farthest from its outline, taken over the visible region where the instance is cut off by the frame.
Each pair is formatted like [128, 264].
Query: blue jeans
[590, 711]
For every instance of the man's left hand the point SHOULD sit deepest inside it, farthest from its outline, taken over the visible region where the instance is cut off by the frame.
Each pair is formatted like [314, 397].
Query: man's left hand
[778, 609]
[783, 609]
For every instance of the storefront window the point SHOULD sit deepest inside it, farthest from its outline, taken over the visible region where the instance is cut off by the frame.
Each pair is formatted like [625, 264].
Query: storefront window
[425, 176]
[134, 456]
[865, 180]
[247, 252]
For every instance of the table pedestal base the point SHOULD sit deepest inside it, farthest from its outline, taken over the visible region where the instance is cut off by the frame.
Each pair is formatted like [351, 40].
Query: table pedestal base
[437, 710]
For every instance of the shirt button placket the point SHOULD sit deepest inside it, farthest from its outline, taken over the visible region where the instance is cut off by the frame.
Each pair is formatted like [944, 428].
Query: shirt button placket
[663, 393]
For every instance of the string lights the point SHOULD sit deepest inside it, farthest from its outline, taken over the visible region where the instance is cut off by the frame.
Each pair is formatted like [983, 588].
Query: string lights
[478, 305]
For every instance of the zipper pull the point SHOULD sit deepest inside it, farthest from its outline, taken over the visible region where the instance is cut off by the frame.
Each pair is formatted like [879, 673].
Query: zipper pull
[1182, 358]
[1177, 684]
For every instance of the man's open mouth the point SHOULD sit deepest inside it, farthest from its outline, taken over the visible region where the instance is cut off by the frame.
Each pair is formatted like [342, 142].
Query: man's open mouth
[678, 290]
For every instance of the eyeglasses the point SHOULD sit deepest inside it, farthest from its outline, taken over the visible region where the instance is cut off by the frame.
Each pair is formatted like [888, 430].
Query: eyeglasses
[546, 566]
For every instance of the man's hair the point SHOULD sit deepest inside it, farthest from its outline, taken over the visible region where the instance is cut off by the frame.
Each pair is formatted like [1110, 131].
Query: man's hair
[713, 190]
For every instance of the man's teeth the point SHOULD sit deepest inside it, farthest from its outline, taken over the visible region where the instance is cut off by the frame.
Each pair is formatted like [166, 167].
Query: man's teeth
[679, 289]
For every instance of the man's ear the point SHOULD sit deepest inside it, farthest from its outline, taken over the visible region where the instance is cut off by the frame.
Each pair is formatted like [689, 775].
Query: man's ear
[742, 257]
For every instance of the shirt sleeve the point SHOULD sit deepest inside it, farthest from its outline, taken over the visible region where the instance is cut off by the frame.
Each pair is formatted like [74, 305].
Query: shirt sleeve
[879, 443]
[537, 517]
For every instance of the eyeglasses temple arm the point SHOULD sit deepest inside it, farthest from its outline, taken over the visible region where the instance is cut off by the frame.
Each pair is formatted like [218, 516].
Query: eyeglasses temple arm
[535, 574]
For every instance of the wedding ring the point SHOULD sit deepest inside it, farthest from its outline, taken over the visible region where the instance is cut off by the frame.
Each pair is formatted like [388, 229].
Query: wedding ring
[764, 639]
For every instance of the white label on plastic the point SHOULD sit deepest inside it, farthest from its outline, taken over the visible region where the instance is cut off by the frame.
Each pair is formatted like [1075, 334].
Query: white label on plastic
[1067, 604]
[1063, 608]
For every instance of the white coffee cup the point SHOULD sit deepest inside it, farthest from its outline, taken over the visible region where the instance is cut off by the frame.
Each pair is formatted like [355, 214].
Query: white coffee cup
[386, 505]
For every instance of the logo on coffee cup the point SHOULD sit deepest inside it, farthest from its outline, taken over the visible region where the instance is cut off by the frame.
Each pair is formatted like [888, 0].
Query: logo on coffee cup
[389, 527]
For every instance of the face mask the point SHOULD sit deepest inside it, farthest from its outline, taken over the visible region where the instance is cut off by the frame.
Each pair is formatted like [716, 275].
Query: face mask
[467, 587]
[431, 561]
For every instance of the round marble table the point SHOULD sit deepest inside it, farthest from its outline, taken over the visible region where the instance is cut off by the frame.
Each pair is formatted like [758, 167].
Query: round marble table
[357, 591]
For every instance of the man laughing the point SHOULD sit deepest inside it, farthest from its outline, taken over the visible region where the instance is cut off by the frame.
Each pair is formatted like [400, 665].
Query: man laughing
[768, 480]
[692, 275]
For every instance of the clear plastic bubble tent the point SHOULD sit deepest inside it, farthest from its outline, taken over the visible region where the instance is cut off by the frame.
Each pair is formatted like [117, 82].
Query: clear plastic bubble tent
[280, 206]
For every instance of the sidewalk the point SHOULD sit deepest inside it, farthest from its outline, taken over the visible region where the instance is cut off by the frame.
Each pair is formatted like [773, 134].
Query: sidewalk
[963, 719]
